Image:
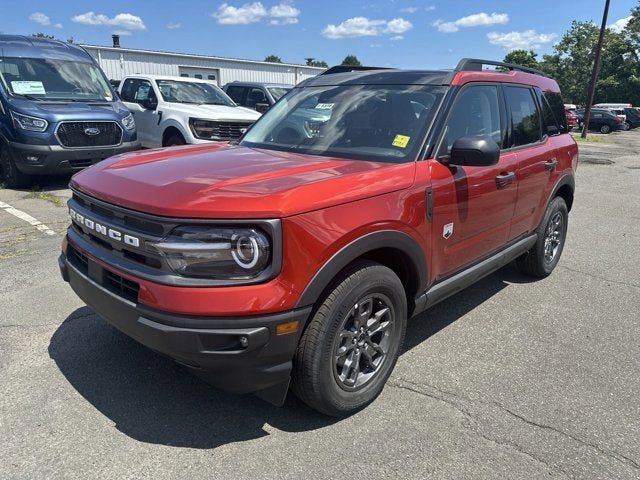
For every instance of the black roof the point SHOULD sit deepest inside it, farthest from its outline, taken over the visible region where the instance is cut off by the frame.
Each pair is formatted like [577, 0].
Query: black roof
[382, 77]
[365, 75]
[35, 47]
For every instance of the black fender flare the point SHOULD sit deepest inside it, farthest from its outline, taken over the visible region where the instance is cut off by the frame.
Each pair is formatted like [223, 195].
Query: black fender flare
[567, 179]
[358, 247]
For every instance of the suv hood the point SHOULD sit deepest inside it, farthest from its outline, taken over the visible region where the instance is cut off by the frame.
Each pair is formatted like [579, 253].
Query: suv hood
[222, 181]
[215, 112]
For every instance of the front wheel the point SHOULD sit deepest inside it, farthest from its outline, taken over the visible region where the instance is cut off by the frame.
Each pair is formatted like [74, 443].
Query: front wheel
[352, 343]
[11, 176]
[552, 233]
[605, 128]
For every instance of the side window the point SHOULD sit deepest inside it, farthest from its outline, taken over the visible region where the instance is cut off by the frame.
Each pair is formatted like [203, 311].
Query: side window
[236, 94]
[554, 101]
[525, 116]
[255, 96]
[129, 88]
[476, 111]
[144, 91]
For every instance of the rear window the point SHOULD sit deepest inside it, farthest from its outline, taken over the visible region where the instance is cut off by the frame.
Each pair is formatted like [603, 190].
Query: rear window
[554, 99]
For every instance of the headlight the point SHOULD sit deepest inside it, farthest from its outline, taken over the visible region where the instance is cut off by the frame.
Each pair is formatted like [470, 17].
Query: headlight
[224, 253]
[128, 122]
[203, 129]
[25, 122]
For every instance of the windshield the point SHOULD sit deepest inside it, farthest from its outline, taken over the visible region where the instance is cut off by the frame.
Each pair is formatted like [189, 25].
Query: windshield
[370, 122]
[278, 92]
[46, 79]
[177, 91]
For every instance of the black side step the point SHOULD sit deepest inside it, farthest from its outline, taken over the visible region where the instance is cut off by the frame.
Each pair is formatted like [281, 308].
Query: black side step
[471, 275]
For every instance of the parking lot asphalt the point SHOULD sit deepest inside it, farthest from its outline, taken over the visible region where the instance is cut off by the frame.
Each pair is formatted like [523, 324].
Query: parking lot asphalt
[511, 378]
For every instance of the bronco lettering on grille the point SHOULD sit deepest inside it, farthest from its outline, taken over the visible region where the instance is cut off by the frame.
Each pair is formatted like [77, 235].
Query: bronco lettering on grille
[105, 230]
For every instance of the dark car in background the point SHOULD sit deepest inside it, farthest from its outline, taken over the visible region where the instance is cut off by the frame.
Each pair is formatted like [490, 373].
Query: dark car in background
[259, 96]
[633, 117]
[58, 112]
[601, 120]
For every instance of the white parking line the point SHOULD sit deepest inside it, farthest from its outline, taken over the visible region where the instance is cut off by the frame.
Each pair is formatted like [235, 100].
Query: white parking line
[27, 218]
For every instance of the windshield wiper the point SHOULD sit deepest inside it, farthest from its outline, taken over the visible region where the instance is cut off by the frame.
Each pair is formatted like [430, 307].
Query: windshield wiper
[28, 97]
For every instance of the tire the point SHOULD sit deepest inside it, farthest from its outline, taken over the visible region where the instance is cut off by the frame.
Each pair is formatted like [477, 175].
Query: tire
[11, 176]
[322, 377]
[605, 128]
[627, 126]
[175, 139]
[545, 254]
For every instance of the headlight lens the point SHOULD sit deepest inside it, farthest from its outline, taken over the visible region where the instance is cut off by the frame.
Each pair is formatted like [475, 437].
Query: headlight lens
[203, 129]
[26, 122]
[128, 122]
[225, 253]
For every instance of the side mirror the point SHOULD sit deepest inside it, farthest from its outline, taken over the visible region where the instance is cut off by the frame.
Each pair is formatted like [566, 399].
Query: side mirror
[149, 103]
[553, 130]
[262, 107]
[474, 151]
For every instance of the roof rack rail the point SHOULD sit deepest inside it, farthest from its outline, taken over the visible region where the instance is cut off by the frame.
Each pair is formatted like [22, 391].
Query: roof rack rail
[349, 68]
[475, 64]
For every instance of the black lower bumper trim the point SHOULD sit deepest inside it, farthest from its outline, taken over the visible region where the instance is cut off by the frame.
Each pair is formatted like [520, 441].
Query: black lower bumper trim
[235, 354]
[51, 159]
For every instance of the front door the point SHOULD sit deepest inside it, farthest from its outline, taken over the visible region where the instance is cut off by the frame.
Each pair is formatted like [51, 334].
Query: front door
[136, 94]
[472, 206]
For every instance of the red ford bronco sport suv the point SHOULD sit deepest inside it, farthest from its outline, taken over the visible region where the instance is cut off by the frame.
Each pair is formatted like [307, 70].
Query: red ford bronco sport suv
[360, 199]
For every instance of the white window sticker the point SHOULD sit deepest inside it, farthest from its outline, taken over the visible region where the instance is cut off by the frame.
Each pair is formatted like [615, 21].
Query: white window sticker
[27, 87]
[325, 106]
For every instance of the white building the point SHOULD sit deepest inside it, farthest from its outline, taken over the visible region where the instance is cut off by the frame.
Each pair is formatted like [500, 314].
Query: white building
[117, 62]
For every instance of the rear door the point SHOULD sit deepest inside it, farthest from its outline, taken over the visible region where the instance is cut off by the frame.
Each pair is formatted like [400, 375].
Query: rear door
[536, 157]
[238, 94]
[472, 205]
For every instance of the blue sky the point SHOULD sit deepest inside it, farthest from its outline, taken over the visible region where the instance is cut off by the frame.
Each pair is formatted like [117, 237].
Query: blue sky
[402, 33]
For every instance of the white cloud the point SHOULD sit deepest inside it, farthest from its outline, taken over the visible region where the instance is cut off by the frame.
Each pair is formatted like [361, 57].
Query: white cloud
[528, 39]
[430, 8]
[619, 25]
[474, 20]
[398, 26]
[366, 27]
[283, 14]
[396, 38]
[40, 18]
[247, 13]
[123, 22]
[409, 10]
[58, 25]
[173, 26]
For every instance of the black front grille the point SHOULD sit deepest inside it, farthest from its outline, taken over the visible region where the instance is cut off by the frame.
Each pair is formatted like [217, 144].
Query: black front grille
[89, 134]
[113, 282]
[228, 130]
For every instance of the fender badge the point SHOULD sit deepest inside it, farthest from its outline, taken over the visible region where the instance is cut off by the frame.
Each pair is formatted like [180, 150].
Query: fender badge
[447, 230]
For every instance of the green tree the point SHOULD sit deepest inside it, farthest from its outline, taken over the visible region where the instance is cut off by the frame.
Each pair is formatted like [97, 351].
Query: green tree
[312, 62]
[572, 62]
[273, 59]
[526, 58]
[352, 61]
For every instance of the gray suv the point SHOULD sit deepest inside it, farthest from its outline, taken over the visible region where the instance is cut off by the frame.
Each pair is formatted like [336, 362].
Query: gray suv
[256, 95]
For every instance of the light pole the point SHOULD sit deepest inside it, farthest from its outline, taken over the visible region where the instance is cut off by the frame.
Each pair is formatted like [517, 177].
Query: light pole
[596, 71]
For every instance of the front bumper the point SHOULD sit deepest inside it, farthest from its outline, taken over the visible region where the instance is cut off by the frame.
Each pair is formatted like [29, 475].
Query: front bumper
[48, 159]
[235, 354]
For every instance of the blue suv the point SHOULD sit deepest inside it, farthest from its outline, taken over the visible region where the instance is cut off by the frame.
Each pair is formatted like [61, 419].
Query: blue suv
[58, 112]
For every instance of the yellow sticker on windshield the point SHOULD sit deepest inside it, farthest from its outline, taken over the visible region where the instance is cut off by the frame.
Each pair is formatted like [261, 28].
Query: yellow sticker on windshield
[401, 141]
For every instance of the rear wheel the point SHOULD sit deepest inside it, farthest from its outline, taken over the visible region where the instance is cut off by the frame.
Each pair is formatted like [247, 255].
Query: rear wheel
[352, 343]
[627, 126]
[11, 176]
[552, 232]
[605, 128]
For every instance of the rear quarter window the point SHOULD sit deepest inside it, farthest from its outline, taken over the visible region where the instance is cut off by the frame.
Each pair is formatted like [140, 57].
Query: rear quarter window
[525, 116]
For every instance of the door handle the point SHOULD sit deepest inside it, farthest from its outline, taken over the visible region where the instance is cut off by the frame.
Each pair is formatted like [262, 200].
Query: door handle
[550, 165]
[505, 179]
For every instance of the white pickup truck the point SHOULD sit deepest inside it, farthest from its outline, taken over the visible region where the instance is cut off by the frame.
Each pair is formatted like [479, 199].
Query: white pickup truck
[176, 110]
